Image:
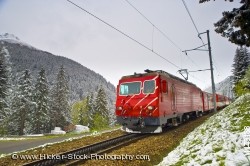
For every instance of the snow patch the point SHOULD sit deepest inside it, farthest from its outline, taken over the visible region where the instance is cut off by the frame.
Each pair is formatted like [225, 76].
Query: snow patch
[11, 139]
[58, 130]
[218, 141]
[34, 135]
[81, 128]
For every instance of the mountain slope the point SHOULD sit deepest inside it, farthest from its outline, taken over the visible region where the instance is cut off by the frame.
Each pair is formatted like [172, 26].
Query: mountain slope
[81, 79]
[224, 87]
[222, 140]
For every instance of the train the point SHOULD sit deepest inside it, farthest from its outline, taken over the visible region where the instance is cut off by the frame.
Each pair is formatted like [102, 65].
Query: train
[147, 102]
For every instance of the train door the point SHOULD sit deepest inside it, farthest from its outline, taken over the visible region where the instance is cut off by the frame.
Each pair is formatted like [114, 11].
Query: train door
[203, 101]
[208, 102]
[164, 90]
[173, 98]
[164, 104]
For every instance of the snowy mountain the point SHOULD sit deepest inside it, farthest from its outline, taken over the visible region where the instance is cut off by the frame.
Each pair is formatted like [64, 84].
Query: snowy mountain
[10, 38]
[224, 87]
[82, 80]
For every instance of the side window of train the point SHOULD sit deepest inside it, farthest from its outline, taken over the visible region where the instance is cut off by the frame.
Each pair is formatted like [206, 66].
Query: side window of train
[164, 86]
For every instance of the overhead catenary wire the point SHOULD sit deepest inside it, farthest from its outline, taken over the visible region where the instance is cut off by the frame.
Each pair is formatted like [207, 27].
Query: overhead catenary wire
[141, 44]
[126, 35]
[164, 34]
[153, 37]
[197, 78]
[185, 5]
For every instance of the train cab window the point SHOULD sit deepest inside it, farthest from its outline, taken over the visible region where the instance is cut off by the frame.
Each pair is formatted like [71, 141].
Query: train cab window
[164, 86]
[130, 88]
[149, 86]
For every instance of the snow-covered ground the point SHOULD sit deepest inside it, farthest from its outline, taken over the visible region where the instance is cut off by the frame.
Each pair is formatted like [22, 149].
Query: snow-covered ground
[11, 139]
[222, 140]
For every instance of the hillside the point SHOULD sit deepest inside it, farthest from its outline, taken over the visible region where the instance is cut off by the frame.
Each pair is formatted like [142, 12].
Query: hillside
[224, 87]
[221, 140]
[81, 79]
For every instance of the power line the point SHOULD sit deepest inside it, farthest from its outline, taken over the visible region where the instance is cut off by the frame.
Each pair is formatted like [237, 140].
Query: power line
[164, 34]
[129, 37]
[123, 33]
[185, 5]
[197, 78]
[171, 41]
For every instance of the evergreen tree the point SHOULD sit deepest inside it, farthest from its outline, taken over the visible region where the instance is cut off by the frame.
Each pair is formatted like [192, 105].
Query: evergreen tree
[101, 114]
[81, 117]
[243, 86]
[235, 24]
[246, 80]
[60, 101]
[79, 112]
[241, 63]
[90, 110]
[41, 97]
[5, 74]
[22, 104]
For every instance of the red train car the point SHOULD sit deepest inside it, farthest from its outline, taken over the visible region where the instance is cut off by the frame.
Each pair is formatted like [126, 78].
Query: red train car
[145, 102]
[148, 101]
[208, 101]
[221, 101]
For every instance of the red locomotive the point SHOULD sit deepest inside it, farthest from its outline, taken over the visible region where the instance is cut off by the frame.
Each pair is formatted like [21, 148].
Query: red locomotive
[146, 102]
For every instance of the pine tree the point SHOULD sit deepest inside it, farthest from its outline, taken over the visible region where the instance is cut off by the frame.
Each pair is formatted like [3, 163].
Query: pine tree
[81, 116]
[5, 74]
[235, 24]
[101, 114]
[78, 112]
[243, 86]
[241, 63]
[246, 80]
[60, 101]
[41, 97]
[90, 109]
[22, 104]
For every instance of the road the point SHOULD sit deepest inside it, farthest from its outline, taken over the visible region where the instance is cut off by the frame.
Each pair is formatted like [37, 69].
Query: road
[14, 146]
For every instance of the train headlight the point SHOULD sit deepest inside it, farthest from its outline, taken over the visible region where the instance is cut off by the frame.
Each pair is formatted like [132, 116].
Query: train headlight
[119, 108]
[150, 108]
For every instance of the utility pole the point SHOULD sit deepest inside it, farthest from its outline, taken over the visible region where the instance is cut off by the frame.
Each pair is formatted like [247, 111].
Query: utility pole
[212, 72]
[211, 65]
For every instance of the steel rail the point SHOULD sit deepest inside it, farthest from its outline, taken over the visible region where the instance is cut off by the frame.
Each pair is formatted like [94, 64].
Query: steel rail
[108, 149]
[68, 156]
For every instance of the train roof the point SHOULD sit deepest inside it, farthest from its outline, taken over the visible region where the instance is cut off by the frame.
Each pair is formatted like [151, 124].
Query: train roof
[160, 72]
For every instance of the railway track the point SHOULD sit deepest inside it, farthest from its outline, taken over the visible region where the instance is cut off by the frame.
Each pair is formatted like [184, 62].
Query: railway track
[87, 152]
[72, 157]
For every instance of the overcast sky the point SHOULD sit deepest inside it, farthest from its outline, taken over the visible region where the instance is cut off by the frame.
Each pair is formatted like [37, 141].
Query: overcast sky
[63, 29]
